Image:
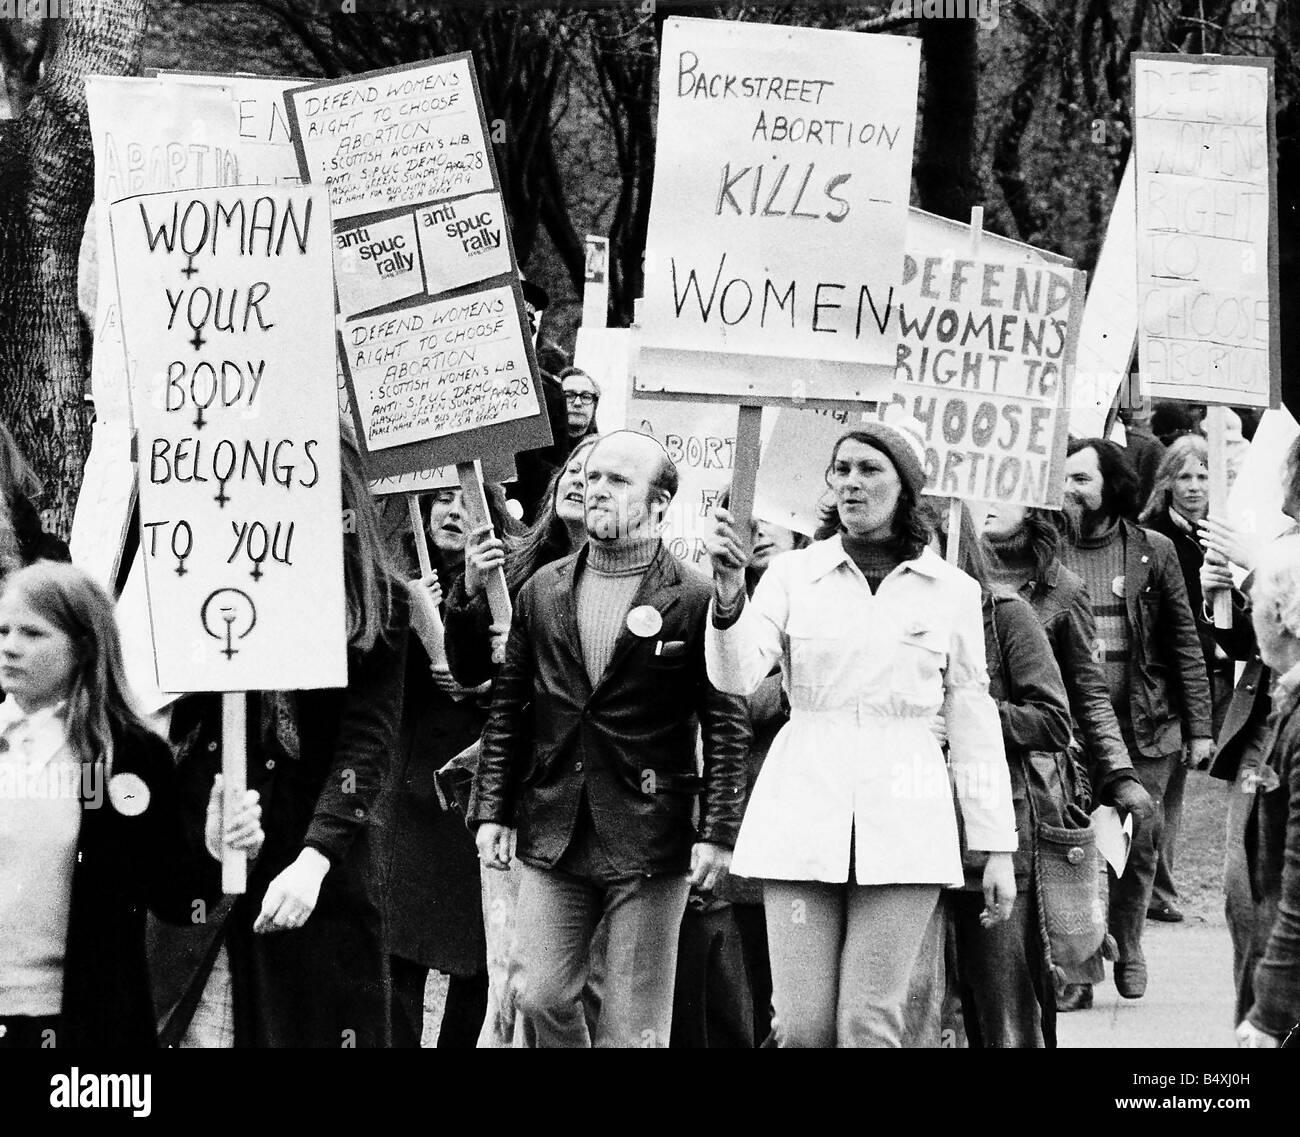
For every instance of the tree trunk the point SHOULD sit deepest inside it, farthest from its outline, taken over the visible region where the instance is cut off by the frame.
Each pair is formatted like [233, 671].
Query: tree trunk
[944, 170]
[46, 186]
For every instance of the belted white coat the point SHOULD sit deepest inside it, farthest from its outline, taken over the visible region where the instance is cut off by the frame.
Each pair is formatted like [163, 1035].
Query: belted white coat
[858, 764]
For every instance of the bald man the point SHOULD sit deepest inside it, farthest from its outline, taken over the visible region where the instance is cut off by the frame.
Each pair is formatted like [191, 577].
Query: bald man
[588, 771]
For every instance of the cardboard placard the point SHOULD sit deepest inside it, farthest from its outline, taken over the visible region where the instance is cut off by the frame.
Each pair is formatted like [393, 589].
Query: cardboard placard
[172, 131]
[1205, 154]
[779, 211]
[984, 363]
[439, 379]
[103, 510]
[1108, 332]
[433, 341]
[226, 299]
[595, 283]
[396, 137]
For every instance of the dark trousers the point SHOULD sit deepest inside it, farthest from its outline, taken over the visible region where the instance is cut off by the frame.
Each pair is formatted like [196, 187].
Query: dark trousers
[1007, 996]
[29, 1032]
[636, 956]
[1130, 894]
[712, 1008]
[462, 1015]
[752, 922]
[1249, 923]
[1163, 889]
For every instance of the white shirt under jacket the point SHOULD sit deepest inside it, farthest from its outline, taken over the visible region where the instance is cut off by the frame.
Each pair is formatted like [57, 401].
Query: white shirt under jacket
[865, 674]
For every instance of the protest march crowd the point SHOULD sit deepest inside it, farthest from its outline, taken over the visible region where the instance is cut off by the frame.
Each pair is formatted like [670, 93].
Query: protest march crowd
[908, 776]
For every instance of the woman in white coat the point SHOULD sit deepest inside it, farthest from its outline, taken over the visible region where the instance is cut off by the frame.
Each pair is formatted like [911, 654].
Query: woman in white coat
[851, 826]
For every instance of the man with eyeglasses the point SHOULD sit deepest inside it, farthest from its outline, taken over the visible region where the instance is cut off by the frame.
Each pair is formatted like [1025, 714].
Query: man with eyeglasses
[581, 396]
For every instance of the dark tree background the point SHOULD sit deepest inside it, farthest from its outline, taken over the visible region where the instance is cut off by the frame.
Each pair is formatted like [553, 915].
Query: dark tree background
[1030, 117]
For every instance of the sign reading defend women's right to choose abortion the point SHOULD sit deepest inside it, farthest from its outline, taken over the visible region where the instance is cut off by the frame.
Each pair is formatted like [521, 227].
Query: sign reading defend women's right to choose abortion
[779, 211]
[1204, 144]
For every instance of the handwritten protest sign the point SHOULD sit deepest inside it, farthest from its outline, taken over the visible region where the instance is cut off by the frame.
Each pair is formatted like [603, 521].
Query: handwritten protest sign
[397, 137]
[433, 345]
[983, 368]
[227, 303]
[779, 211]
[1204, 149]
[147, 134]
[441, 374]
[700, 438]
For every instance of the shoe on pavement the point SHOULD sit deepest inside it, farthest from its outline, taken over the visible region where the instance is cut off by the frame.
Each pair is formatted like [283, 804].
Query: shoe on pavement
[1074, 997]
[1131, 978]
[1165, 913]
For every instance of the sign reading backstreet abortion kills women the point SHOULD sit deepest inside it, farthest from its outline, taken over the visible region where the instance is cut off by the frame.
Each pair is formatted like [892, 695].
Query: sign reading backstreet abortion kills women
[984, 356]
[781, 187]
[1204, 146]
[227, 307]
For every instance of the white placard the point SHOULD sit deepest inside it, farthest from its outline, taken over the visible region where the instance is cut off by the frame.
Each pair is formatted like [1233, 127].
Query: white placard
[227, 305]
[103, 510]
[1205, 216]
[782, 178]
[440, 368]
[394, 138]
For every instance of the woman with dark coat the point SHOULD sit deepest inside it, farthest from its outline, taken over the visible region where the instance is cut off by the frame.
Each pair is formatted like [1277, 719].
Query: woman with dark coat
[97, 837]
[300, 959]
[558, 530]
[430, 864]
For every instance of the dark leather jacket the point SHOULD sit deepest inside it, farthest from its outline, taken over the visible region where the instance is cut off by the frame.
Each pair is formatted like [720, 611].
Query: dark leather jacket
[1061, 604]
[1169, 693]
[628, 744]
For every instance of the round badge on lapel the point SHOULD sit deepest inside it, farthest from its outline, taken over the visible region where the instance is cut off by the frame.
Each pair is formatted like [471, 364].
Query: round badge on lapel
[1117, 586]
[644, 621]
[129, 794]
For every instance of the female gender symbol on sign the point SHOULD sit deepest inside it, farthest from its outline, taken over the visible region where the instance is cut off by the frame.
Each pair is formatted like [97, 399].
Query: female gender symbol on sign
[228, 607]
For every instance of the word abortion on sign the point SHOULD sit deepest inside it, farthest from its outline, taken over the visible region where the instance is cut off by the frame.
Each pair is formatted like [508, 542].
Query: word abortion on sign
[227, 306]
[423, 374]
[392, 138]
[762, 163]
[1204, 145]
[983, 361]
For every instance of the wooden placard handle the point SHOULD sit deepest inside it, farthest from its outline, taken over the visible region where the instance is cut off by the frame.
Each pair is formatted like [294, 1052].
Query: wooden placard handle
[425, 617]
[1216, 428]
[476, 511]
[952, 546]
[234, 776]
[744, 470]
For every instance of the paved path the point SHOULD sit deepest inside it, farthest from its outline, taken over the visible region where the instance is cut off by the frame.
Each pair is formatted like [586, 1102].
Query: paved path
[1189, 997]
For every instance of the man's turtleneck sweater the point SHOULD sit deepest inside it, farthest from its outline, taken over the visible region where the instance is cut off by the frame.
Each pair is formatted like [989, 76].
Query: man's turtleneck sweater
[1099, 559]
[606, 589]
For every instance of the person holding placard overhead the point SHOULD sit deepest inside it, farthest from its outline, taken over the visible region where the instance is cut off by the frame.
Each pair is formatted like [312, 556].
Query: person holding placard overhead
[433, 915]
[851, 826]
[471, 640]
[301, 959]
[98, 834]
